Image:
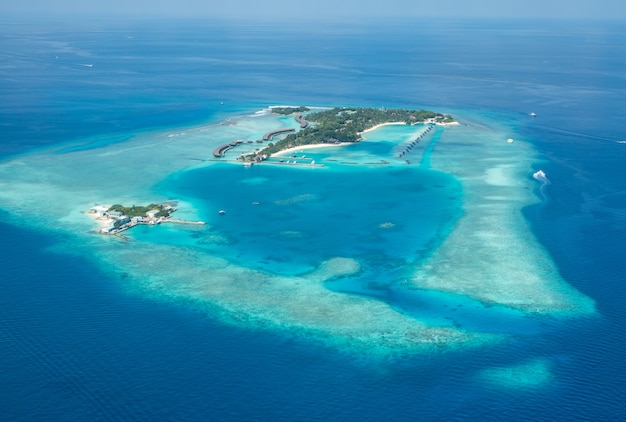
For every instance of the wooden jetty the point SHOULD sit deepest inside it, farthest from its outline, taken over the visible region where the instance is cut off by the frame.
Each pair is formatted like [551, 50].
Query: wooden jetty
[221, 150]
[413, 143]
[302, 121]
[269, 135]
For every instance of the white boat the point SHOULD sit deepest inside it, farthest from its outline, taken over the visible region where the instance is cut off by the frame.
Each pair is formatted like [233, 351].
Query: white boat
[222, 212]
[533, 115]
[541, 177]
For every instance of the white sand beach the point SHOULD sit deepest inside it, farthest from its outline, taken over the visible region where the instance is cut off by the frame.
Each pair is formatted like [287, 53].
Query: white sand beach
[378, 126]
[311, 146]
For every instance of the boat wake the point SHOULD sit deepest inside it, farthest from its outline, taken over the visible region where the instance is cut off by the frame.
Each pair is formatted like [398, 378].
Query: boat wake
[541, 177]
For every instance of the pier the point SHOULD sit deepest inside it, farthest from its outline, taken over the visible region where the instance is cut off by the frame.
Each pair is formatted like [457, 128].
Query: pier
[271, 134]
[414, 143]
[295, 163]
[127, 226]
[171, 220]
[221, 150]
[302, 121]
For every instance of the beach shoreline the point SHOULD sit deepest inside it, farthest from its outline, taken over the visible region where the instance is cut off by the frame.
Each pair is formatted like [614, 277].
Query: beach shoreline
[310, 146]
[339, 144]
[378, 126]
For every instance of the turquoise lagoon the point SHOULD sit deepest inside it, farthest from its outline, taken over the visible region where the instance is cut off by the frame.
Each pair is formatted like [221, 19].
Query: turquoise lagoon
[365, 250]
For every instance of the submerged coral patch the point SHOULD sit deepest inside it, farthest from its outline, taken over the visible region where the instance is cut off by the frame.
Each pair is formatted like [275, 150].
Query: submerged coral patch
[491, 254]
[530, 375]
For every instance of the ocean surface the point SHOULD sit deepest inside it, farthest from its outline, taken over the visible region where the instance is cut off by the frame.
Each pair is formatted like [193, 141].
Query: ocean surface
[449, 284]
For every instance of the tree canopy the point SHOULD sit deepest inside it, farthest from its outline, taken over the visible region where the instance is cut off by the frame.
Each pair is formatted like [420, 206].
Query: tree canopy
[341, 124]
[142, 210]
[289, 110]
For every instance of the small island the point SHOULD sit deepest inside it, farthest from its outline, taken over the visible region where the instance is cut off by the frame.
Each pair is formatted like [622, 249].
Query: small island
[288, 110]
[118, 218]
[341, 124]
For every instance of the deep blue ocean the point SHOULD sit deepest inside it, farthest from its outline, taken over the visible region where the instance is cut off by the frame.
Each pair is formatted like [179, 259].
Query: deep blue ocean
[75, 345]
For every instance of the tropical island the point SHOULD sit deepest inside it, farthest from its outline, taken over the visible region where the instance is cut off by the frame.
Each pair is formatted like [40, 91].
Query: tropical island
[342, 124]
[118, 218]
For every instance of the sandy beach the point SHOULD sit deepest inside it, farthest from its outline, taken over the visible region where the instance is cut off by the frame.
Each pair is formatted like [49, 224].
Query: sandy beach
[381, 125]
[310, 146]
[404, 123]
[340, 144]
[102, 221]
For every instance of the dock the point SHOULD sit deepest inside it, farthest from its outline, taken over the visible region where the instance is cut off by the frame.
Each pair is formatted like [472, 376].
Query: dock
[170, 220]
[413, 143]
[269, 135]
[128, 226]
[302, 121]
[221, 150]
[294, 163]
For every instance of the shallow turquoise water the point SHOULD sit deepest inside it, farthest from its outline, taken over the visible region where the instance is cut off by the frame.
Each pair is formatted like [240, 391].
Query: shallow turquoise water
[287, 220]
[389, 216]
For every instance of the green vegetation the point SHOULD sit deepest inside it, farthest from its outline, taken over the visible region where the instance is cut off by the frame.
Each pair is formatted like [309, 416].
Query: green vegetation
[448, 119]
[289, 110]
[345, 125]
[141, 211]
